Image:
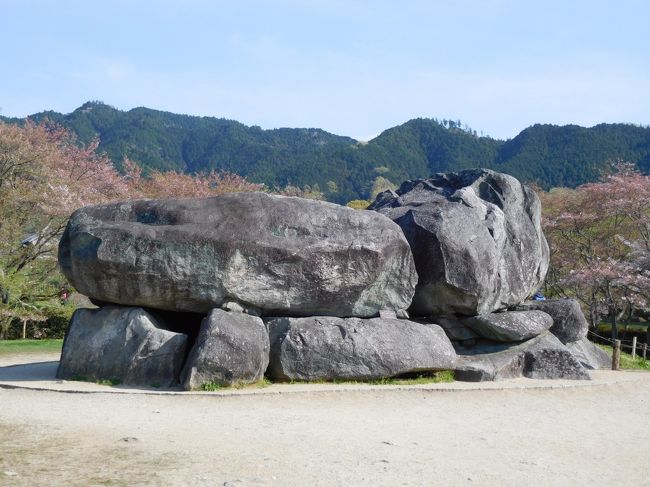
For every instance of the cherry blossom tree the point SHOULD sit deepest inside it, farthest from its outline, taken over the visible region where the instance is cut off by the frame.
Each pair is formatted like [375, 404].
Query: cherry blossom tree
[172, 184]
[178, 185]
[51, 176]
[44, 176]
[599, 236]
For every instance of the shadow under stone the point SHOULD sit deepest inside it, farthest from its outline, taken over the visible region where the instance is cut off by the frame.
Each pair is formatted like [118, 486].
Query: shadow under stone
[38, 371]
[179, 322]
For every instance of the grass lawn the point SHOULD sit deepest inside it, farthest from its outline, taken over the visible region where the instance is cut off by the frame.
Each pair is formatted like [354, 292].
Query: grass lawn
[635, 327]
[30, 346]
[427, 378]
[430, 378]
[626, 359]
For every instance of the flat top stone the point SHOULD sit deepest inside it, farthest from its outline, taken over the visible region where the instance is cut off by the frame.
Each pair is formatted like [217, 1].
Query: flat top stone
[280, 255]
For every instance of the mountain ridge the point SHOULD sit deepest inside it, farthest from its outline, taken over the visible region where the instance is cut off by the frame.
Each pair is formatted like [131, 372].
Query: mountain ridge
[344, 168]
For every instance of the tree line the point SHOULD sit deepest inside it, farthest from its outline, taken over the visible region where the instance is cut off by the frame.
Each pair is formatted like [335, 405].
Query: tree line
[342, 168]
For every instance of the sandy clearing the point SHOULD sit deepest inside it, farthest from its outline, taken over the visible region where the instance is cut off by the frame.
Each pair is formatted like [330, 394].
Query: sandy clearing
[374, 436]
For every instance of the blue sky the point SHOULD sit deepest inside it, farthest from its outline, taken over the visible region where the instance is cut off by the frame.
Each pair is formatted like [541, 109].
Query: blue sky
[350, 67]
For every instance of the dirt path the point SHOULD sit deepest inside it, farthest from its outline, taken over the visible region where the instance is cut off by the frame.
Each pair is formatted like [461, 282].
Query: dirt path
[373, 437]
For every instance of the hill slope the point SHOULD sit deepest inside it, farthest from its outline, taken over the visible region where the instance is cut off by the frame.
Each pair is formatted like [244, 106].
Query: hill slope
[342, 167]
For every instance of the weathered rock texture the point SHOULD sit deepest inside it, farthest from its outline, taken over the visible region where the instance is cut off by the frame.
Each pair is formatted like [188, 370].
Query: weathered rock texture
[543, 357]
[590, 355]
[454, 328]
[124, 344]
[476, 239]
[283, 256]
[335, 348]
[232, 348]
[509, 326]
[569, 323]
[328, 271]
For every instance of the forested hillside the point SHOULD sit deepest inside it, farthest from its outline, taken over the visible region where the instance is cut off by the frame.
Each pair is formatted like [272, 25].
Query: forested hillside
[341, 167]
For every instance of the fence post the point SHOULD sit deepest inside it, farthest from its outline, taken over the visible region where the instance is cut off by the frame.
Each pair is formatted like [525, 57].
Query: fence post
[616, 356]
[633, 348]
[645, 350]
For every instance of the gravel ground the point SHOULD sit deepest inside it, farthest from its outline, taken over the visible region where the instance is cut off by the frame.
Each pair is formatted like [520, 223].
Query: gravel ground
[521, 433]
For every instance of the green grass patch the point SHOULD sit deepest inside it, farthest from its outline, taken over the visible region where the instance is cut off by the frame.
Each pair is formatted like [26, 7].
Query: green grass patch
[215, 386]
[627, 362]
[428, 378]
[261, 384]
[46, 345]
[433, 378]
[210, 386]
[634, 327]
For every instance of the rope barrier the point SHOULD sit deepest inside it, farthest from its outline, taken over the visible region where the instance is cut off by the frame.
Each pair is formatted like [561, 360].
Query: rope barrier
[639, 346]
[601, 337]
[625, 341]
[610, 340]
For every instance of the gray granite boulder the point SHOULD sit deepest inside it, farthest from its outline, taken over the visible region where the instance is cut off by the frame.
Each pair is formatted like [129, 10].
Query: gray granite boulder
[322, 347]
[569, 323]
[509, 326]
[476, 238]
[279, 255]
[543, 357]
[500, 364]
[121, 343]
[550, 359]
[232, 348]
[590, 355]
[455, 329]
